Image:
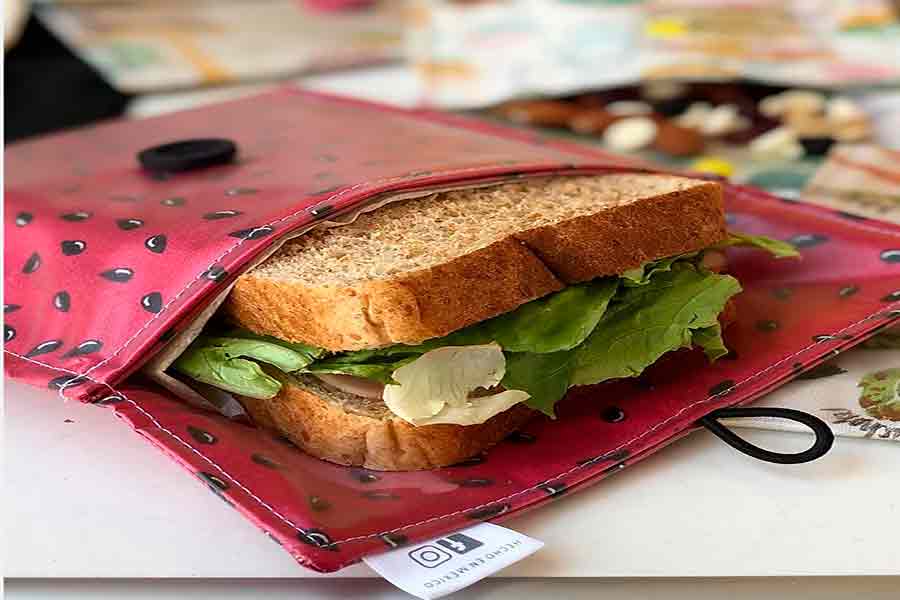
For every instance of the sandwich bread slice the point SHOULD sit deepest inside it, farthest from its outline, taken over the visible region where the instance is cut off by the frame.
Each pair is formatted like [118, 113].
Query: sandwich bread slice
[427, 330]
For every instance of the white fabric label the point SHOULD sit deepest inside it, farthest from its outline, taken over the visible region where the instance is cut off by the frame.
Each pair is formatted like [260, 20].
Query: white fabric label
[446, 564]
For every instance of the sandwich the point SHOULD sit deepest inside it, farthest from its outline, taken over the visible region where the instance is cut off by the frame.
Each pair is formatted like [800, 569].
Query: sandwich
[425, 331]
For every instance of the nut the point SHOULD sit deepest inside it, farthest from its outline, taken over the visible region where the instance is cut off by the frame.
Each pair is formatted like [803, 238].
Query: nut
[592, 121]
[780, 142]
[676, 140]
[630, 134]
[547, 113]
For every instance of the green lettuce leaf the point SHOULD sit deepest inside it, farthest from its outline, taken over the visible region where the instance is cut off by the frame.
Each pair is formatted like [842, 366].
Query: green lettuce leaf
[545, 377]
[222, 362]
[648, 321]
[676, 309]
[777, 248]
[643, 274]
[307, 352]
[379, 371]
[213, 365]
[710, 339]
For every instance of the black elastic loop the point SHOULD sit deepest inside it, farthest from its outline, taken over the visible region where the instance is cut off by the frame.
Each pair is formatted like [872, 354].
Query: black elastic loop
[185, 155]
[823, 443]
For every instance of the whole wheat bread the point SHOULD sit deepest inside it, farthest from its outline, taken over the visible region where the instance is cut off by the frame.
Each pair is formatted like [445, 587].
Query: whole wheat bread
[350, 430]
[419, 269]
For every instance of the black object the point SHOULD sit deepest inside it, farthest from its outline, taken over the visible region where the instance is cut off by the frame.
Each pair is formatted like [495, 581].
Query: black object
[823, 443]
[817, 146]
[46, 87]
[185, 155]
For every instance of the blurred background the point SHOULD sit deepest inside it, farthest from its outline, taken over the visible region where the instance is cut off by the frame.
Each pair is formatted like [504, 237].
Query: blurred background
[797, 96]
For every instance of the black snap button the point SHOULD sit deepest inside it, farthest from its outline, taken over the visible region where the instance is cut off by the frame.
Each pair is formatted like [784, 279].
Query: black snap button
[185, 155]
[613, 414]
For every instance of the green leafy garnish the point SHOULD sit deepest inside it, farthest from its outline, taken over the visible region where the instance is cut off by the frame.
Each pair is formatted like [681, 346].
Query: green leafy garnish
[777, 248]
[222, 362]
[880, 395]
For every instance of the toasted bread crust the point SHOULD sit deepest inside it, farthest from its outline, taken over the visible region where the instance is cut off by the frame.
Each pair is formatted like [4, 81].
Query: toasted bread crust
[320, 424]
[407, 309]
[624, 237]
[488, 282]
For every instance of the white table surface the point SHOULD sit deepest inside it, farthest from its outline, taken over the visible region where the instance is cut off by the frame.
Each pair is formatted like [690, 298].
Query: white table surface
[89, 498]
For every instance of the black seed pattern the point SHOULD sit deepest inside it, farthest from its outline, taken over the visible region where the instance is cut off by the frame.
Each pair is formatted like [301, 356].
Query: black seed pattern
[200, 436]
[129, 224]
[32, 264]
[364, 476]
[319, 504]
[825, 338]
[8, 308]
[221, 214]
[613, 414]
[44, 348]
[848, 290]
[890, 256]
[62, 301]
[394, 540]
[823, 370]
[81, 215]
[521, 437]
[808, 240]
[379, 495]
[23, 219]
[156, 243]
[322, 209]
[216, 273]
[73, 247]
[317, 538]
[215, 484]
[264, 461]
[852, 216]
[783, 293]
[106, 400]
[471, 462]
[488, 512]
[125, 198]
[173, 202]
[66, 381]
[554, 488]
[892, 297]
[85, 347]
[766, 325]
[475, 482]
[723, 388]
[152, 302]
[252, 233]
[241, 191]
[9, 333]
[118, 275]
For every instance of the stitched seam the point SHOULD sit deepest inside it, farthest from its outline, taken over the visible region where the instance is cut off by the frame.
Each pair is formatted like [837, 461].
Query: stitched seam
[533, 488]
[240, 242]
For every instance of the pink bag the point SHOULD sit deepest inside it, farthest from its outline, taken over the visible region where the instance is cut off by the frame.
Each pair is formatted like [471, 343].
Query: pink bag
[106, 262]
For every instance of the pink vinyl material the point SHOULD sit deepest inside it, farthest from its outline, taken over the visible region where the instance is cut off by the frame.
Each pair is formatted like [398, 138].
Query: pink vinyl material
[105, 262]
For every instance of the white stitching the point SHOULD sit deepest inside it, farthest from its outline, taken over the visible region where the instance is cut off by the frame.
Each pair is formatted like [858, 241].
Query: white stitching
[533, 488]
